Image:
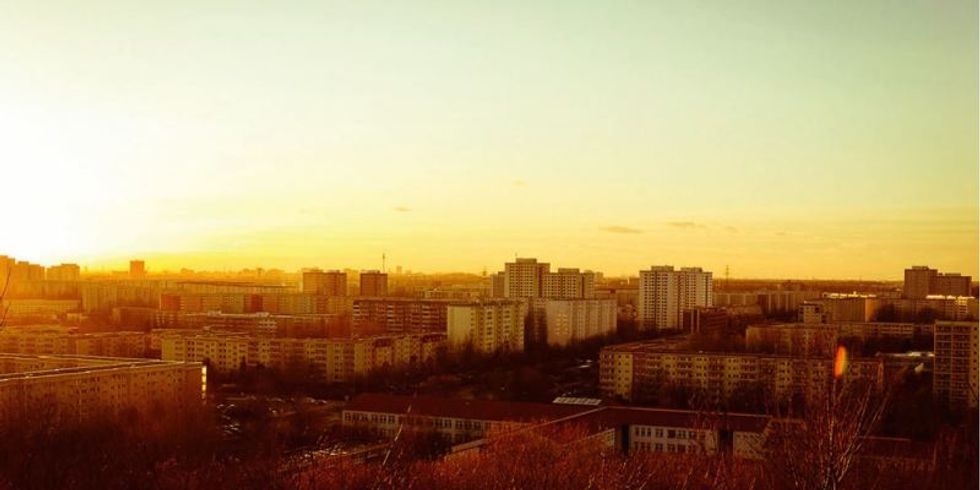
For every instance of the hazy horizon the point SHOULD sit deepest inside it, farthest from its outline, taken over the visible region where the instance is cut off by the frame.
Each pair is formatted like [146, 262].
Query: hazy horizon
[789, 140]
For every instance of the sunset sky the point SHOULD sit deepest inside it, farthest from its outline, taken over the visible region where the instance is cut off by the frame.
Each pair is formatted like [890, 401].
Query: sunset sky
[783, 139]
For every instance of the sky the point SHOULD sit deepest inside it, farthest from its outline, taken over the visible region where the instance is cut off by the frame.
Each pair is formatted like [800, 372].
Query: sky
[793, 139]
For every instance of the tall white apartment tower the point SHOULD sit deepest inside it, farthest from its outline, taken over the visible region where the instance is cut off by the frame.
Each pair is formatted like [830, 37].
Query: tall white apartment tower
[665, 293]
[523, 278]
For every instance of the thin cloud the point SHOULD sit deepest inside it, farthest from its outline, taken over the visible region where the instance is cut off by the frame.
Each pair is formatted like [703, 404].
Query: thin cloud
[402, 209]
[684, 225]
[621, 229]
[518, 183]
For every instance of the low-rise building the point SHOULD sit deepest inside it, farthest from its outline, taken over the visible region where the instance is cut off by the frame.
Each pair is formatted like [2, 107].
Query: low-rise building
[626, 428]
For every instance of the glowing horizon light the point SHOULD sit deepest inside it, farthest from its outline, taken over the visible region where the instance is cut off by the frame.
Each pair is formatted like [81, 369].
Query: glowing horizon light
[840, 362]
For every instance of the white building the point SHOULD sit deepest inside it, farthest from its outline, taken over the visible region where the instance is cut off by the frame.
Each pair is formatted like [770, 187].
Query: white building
[487, 326]
[665, 293]
[572, 320]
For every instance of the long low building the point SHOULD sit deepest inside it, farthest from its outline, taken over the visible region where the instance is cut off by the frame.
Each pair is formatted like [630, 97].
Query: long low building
[637, 370]
[58, 339]
[625, 428]
[821, 339]
[322, 359]
[75, 388]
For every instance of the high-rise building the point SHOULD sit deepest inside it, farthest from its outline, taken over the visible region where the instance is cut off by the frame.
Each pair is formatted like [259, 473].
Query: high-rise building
[374, 283]
[568, 283]
[951, 284]
[399, 315]
[487, 326]
[325, 283]
[573, 320]
[497, 282]
[137, 269]
[63, 272]
[665, 293]
[921, 281]
[955, 368]
[523, 278]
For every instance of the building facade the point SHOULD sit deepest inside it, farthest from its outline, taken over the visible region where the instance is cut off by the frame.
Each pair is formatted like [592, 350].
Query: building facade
[955, 368]
[68, 389]
[373, 283]
[574, 320]
[325, 283]
[664, 294]
[325, 360]
[635, 371]
[487, 326]
[399, 315]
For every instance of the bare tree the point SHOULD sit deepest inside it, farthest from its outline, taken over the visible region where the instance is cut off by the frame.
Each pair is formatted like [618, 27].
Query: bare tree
[4, 307]
[820, 448]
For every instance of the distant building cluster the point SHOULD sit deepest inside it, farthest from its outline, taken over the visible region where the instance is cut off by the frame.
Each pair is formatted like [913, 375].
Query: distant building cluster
[562, 305]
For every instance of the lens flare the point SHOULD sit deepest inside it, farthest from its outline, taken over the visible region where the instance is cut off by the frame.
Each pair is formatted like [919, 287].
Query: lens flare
[840, 362]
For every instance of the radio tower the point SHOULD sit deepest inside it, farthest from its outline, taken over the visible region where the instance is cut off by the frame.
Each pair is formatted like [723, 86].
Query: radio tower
[383, 262]
[726, 277]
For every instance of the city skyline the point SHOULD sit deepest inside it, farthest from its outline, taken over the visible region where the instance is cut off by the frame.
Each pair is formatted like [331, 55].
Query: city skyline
[791, 140]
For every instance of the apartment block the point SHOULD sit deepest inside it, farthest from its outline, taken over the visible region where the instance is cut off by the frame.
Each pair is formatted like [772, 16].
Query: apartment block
[325, 283]
[67, 389]
[573, 320]
[568, 283]
[399, 315]
[922, 281]
[955, 369]
[63, 272]
[636, 370]
[812, 339]
[487, 326]
[523, 278]
[374, 283]
[327, 360]
[56, 339]
[664, 294]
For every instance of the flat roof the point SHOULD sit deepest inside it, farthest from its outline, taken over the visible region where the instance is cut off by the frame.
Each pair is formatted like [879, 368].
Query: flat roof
[494, 410]
[594, 417]
[84, 364]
